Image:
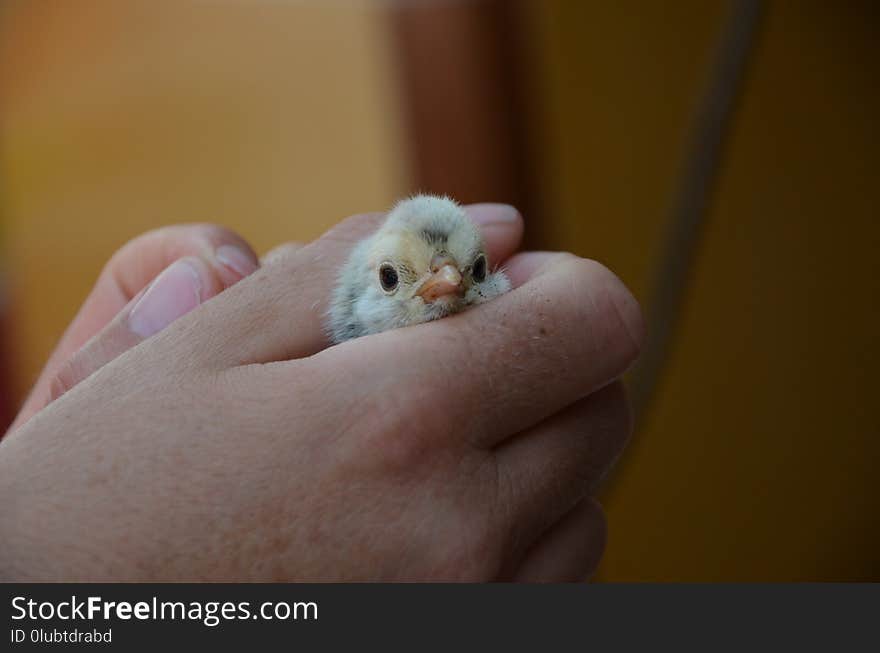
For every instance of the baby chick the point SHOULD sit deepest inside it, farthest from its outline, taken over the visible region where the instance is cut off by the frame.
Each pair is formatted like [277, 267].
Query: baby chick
[425, 262]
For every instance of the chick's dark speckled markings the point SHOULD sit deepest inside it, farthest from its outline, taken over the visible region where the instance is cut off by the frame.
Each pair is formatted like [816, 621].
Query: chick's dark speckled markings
[435, 236]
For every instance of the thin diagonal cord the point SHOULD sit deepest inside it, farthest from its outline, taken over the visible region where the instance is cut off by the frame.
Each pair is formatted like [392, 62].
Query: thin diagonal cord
[698, 181]
[6, 398]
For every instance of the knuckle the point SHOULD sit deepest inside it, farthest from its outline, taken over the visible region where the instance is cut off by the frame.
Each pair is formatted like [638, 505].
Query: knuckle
[394, 432]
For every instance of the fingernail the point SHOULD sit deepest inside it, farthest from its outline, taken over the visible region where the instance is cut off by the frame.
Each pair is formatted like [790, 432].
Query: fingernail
[174, 293]
[236, 260]
[487, 213]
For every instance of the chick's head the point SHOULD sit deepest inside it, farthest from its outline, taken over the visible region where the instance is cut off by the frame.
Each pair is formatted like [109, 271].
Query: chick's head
[425, 262]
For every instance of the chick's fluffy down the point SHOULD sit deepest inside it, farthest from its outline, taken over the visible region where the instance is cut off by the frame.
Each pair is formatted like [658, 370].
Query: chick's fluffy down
[391, 279]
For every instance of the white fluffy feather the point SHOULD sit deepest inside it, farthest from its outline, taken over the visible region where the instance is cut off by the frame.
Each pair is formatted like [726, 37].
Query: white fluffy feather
[415, 233]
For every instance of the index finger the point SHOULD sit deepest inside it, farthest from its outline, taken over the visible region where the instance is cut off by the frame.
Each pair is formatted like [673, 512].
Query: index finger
[127, 273]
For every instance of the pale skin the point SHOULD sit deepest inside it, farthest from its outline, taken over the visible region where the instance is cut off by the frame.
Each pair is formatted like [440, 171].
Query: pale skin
[235, 444]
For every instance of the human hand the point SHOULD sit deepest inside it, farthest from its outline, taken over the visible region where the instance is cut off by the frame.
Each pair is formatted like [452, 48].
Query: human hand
[233, 445]
[218, 257]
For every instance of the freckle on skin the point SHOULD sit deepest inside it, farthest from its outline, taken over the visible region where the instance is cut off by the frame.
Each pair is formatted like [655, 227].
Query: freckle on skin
[543, 331]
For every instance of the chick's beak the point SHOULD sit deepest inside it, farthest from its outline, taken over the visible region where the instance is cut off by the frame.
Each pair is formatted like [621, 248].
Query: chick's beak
[445, 282]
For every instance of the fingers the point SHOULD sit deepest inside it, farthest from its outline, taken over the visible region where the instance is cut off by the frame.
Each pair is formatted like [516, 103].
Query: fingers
[280, 313]
[549, 468]
[180, 288]
[142, 259]
[570, 551]
[500, 367]
[226, 256]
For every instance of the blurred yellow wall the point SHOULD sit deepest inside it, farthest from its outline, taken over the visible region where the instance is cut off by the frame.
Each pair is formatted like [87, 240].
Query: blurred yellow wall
[277, 119]
[758, 459]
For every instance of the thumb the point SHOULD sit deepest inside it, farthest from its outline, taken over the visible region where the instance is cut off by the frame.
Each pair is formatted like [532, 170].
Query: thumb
[122, 282]
[181, 287]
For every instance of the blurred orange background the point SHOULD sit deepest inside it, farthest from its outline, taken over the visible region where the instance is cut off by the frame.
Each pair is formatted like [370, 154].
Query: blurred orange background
[277, 119]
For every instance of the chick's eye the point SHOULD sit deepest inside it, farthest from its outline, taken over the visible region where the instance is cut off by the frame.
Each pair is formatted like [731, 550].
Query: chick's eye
[479, 269]
[388, 277]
